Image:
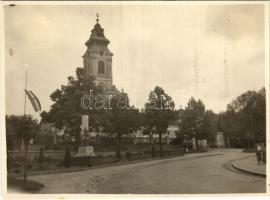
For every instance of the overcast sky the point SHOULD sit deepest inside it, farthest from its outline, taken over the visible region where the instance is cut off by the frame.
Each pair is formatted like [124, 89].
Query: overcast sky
[212, 52]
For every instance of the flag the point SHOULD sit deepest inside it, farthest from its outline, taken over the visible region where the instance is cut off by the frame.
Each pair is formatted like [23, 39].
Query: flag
[34, 100]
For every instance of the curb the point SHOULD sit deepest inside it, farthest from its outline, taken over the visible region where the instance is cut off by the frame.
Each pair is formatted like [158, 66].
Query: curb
[109, 165]
[247, 171]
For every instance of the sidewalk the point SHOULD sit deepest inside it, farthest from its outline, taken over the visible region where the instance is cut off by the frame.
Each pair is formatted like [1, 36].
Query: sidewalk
[250, 165]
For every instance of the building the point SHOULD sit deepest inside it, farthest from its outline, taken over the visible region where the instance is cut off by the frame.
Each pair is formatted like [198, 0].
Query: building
[97, 60]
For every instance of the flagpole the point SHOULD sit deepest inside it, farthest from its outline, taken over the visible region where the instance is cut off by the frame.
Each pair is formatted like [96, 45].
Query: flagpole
[24, 113]
[25, 88]
[25, 92]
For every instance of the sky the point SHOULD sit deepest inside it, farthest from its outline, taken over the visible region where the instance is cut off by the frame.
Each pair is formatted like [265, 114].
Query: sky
[212, 52]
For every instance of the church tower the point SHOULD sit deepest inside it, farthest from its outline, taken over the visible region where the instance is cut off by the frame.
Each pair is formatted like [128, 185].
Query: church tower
[97, 60]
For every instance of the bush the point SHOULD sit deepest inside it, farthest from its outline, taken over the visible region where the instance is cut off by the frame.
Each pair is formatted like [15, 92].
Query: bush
[153, 151]
[41, 156]
[67, 158]
[32, 186]
[177, 141]
[15, 164]
[29, 166]
[128, 155]
[60, 164]
[250, 150]
[44, 166]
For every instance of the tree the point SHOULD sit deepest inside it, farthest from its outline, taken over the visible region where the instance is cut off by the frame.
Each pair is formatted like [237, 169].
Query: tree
[25, 127]
[11, 123]
[209, 125]
[41, 156]
[121, 119]
[245, 118]
[66, 110]
[148, 130]
[193, 119]
[67, 158]
[159, 110]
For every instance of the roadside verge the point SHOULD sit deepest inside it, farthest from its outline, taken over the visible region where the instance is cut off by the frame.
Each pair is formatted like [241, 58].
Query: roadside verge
[183, 157]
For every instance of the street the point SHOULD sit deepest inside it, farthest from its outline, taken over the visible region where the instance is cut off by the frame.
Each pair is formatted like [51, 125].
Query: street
[189, 174]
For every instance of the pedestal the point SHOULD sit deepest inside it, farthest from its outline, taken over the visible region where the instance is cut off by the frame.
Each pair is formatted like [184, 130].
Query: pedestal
[85, 151]
[194, 147]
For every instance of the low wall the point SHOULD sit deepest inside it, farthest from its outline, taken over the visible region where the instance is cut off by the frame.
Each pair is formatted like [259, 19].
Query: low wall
[57, 155]
[128, 140]
[91, 161]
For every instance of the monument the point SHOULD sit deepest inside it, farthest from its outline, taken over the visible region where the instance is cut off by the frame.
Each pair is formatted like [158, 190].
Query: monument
[85, 123]
[220, 140]
[85, 150]
[202, 144]
[194, 147]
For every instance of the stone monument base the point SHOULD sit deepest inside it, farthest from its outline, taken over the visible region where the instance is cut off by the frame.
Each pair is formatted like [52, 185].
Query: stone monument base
[85, 151]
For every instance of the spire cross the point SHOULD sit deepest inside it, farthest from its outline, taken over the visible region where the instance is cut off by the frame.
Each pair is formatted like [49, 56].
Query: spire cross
[97, 17]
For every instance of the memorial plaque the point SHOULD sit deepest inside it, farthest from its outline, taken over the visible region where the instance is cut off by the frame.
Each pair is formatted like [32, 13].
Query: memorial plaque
[85, 123]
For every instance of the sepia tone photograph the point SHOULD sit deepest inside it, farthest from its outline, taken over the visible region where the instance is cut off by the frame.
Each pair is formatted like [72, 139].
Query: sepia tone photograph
[136, 98]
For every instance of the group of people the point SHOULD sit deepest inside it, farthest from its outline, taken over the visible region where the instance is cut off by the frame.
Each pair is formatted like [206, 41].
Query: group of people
[260, 153]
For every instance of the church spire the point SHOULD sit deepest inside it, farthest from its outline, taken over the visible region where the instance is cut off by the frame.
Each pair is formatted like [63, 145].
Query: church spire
[97, 15]
[97, 34]
[97, 60]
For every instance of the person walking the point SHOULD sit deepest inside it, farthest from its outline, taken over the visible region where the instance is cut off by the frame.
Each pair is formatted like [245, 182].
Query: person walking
[263, 153]
[259, 153]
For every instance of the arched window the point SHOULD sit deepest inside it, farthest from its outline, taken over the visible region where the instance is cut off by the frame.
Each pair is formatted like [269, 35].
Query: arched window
[101, 67]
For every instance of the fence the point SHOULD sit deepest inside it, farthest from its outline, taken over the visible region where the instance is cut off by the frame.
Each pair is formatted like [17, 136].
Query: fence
[17, 155]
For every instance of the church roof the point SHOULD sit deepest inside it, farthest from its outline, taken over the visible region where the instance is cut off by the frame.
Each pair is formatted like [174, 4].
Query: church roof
[97, 35]
[97, 31]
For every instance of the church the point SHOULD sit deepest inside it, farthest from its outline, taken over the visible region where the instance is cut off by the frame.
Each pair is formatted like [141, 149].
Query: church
[97, 64]
[97, 60]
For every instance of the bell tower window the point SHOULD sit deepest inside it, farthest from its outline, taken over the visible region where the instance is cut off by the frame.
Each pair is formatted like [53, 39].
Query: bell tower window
[101, 67]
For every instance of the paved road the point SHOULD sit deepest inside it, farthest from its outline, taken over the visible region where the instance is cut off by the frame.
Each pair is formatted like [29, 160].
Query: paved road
[182, 175]
[197, 175]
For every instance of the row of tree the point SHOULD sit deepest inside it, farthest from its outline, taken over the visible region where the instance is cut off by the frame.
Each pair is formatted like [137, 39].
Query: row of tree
[244, 119]
[66, 111]
[243, 123]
